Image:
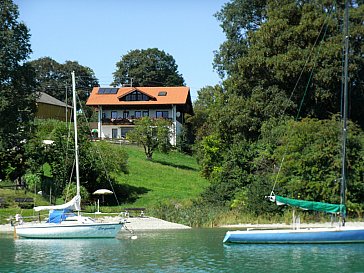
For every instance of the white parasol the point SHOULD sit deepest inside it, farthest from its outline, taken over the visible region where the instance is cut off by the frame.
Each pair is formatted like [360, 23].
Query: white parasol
[101, 192]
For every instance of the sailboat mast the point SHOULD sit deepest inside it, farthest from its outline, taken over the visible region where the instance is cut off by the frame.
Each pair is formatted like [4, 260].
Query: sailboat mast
[345, 108]
[76, 134]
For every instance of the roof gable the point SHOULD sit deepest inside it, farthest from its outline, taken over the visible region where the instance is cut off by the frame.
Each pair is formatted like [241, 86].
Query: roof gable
[136, 94]
[178, 95]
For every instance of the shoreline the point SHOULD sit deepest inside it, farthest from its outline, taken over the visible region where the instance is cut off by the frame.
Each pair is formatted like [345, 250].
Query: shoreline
[132, 223]
[151, 223]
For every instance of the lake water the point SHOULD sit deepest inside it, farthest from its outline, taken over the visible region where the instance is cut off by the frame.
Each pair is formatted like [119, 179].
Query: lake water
[195, 250]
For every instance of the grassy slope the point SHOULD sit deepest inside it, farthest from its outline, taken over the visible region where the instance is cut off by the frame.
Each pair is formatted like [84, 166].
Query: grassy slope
[167, 177]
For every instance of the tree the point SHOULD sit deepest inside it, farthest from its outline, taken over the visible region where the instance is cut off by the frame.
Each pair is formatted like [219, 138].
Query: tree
[85, 79]
[151, 134]
[311, 169]
[17, 96]
[237, 18]
[209, 155]
[282, 59]
[208, 102]
[48, 76]
[54, 78]
[294, 47]
[147, 67]
[98, 162]
[312, 160]
[230, 173]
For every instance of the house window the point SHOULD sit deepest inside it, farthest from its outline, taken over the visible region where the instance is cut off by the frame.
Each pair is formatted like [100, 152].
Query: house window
[124, 131]
[138, 114]
[114, 114]
[162, 114]
[135, 96]
[126, 114]
[162, 93]
[145, 113]
[103, 115]
[114, 133]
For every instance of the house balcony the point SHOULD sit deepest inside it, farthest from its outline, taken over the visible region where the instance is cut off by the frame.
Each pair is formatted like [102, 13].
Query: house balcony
[117, 121]
[121, 121]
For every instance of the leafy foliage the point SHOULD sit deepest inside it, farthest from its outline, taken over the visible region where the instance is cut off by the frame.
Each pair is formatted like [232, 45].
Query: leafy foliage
[33, 182]
[282, 59]
[147, 67]
[294, 48]
[300, 159]
[237, 19]
[54, 78]
[17, 99]
[70, 191]
[233, 167]
[151, 134]
[312, 164]
[186, 138]
[207, 104]
[99, 163]
[209, 156]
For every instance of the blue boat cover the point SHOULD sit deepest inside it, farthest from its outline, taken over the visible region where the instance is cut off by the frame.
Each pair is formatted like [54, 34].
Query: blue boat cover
[57, 216]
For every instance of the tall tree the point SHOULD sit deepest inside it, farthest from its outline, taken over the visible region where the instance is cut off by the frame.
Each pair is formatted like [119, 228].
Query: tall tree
[17, 97]
[54, 78]
[207, 104]
[294, 48]
[312, 160]
[48, 76]
[85, 78]
[237, 18]
[147, 67]
[281, 58]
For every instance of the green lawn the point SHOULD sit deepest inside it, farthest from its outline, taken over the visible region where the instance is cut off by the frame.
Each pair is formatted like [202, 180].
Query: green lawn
[167, 177]
[172, 177]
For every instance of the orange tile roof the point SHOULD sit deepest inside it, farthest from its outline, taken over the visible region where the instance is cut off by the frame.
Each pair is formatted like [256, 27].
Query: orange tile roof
[175, 95]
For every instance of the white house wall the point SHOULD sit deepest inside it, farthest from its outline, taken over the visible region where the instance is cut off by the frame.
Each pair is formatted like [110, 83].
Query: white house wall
[105, 131]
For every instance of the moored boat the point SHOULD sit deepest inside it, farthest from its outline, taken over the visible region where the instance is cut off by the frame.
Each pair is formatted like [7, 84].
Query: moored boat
[333, 235]
[339, 234]
[63, 223]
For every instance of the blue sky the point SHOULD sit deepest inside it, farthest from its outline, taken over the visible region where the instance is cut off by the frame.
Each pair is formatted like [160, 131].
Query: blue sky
[98, 33]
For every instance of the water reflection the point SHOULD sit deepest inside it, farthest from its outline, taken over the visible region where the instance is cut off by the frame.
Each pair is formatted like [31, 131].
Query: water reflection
[166, 251]
[64, 255]
[196, 250]
[298, 258]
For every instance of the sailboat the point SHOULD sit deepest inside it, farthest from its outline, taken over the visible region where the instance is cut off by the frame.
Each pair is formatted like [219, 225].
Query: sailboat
[65, 221]
[338, 234]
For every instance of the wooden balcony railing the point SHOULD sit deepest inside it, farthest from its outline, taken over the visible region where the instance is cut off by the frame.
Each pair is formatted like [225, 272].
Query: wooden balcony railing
[121, 121]
[117, 121]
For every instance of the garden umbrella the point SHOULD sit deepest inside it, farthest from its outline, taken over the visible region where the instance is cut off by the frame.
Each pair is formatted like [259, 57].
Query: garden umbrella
[101, 192]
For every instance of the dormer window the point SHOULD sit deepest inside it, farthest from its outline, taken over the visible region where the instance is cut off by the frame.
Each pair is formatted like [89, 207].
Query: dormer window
[136, 96]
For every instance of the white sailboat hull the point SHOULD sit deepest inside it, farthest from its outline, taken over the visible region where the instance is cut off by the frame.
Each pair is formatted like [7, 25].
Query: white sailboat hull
[297, 236]
[62, 224]
[69, 231]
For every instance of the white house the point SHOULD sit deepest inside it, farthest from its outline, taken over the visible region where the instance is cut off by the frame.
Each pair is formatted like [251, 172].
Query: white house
[118, 107]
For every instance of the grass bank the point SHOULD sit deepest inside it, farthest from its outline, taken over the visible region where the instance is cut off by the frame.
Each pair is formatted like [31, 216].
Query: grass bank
[166, 187]
[171, 178]
[168, 177]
